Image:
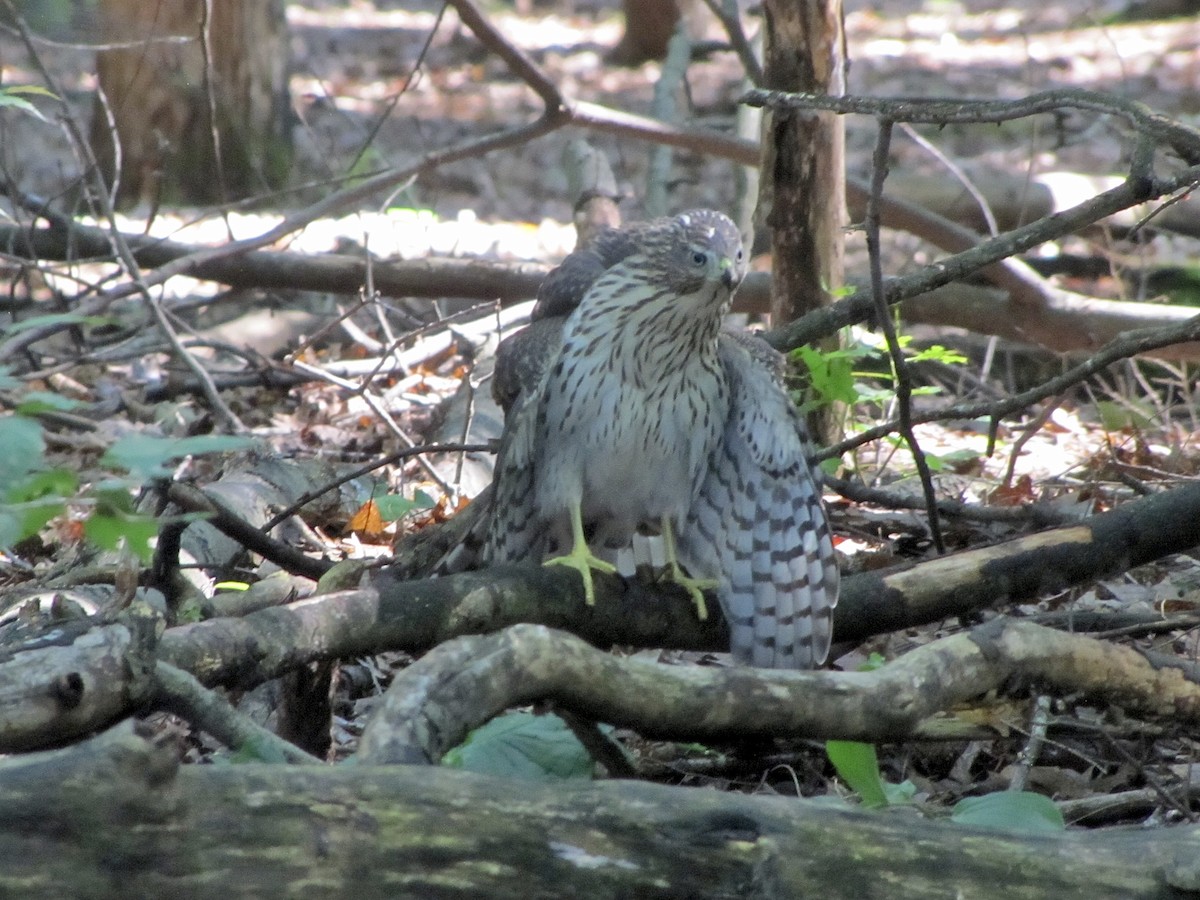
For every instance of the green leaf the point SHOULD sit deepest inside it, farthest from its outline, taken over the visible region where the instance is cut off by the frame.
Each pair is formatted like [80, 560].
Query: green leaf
[24, 450]
[20, 520]
[1129, 415]
[875, 660]
[1181, 284]
[57, 483]
[899, 794]
[147, 457]
[830, 466]
[522, 745]
[869, 393]
[210, 443]
[1020, 811]
[701, 750]
[859, 767]
[24, 105]
[112, 525]
[961, 457]
[44, 401]
[831, 373]
[10, 97]
[938, 353]
[393, 506]
[838, 293]
[407, 204]
[189, 613]
[35, 89]
[143, 456]
[112, 498]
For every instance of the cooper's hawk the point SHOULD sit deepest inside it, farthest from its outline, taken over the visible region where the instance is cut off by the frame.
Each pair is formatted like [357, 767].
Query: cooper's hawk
[645, 414]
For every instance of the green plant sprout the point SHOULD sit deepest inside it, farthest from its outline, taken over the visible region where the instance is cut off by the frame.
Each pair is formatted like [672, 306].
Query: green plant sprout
[14, 98]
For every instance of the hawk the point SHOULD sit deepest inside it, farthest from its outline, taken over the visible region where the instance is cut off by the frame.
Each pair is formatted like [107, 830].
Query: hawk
[640, 412]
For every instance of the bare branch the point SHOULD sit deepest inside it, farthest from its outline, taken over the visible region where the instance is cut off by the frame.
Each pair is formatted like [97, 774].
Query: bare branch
[432, 705]
[180, 693]
[1183, 139]
[857, 307]
[883, 319]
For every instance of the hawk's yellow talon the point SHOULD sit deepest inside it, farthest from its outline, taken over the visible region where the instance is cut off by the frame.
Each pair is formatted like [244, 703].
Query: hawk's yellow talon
[581, 558]
[694, 586]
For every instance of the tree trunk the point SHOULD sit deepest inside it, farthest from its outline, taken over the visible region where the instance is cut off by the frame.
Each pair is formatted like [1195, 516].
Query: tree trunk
[649, 24]
[117, 817]
[804, 171]
[160, 96]
[802, 199]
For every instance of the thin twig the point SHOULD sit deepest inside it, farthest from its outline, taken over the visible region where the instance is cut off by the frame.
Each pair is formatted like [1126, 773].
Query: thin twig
[210, 97]
[181, 693]
[1029, 754]
[367, 469]
[379, 409]
[1183, 139]
[396, 95]
[256, 540]
[1038, 515]
[1179, 804]
[599, 745]
[985, 208]
[883, 318]
[1007, 273]
[552, 118]
[858, 307]
[727, 13]
[1027, 434]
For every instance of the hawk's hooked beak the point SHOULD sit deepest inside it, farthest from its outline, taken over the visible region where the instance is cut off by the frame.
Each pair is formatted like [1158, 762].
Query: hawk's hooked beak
[727, 271]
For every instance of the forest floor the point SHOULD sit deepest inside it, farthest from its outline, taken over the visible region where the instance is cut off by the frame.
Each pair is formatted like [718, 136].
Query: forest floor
[352, 65]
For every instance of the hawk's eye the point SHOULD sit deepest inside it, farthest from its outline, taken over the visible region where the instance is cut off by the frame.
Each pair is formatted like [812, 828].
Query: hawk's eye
[699, 258]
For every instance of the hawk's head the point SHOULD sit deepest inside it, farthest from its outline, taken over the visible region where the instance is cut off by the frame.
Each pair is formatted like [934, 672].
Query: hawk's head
[673, 283]
[696, 247]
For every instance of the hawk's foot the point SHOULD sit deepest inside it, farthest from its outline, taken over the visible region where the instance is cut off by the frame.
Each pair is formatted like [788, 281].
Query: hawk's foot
[582, 560]
[694, 586]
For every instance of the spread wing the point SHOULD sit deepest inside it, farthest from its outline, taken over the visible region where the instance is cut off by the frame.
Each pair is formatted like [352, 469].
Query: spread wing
[522, 358]
[563, 288]
[758, 524]
[516, 531]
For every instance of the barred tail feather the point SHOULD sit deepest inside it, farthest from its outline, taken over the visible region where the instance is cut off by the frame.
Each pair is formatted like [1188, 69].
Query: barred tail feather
[825, 577]
[766, 611]
[757, 523]
[793, 641]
